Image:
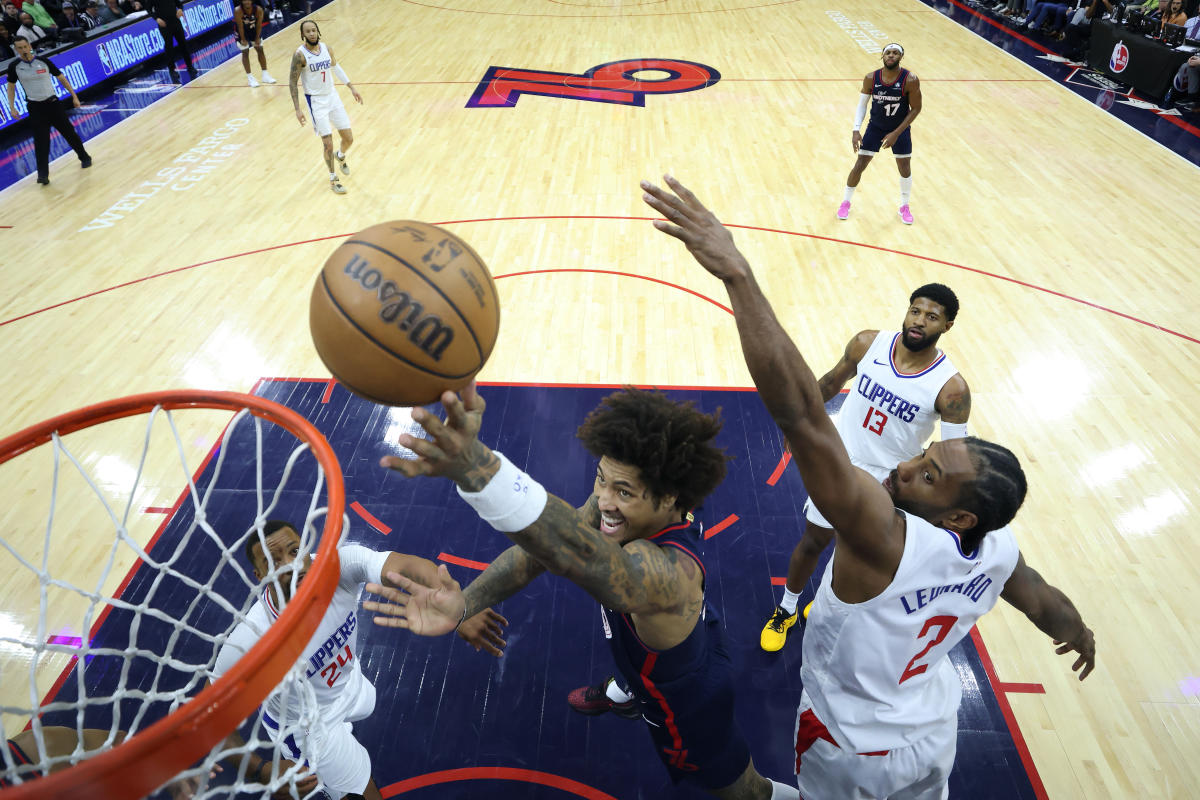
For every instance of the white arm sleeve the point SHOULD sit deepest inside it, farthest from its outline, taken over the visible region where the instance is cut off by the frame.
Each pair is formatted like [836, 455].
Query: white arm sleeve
[360, 565]
[341, 74]
[861, 113]
[954, 430]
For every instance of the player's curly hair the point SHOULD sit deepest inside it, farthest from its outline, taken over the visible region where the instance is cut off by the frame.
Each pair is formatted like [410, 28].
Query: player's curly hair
[941, 294]
[269, 527]
[670, 443]
[997, 491]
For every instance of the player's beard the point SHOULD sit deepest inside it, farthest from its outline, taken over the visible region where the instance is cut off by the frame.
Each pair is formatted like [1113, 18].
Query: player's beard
[924, 343]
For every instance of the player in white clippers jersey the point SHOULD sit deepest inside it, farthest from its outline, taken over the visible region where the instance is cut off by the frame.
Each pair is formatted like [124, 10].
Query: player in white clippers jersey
[919, 558]
[903, 383]
[315, 65]
[343, 693]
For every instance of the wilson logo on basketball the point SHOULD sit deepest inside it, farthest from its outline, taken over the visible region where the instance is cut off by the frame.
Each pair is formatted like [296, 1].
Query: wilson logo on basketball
[1120, 58]
[426, 331]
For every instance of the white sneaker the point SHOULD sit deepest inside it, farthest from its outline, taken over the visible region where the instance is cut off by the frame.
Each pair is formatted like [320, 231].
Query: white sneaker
[250, 80]
[341, 160]
[266, 78]
[337, 186]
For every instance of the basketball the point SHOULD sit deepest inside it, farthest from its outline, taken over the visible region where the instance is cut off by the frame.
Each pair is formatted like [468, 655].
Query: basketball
[403, 311]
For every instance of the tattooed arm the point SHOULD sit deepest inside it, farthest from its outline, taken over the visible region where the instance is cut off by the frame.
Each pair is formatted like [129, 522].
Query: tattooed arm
[512, 571]
[847, 367]
[954, 401]
[294, 84]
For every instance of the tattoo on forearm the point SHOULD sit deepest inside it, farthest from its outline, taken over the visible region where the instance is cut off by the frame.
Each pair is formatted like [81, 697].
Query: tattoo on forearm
[294, 78]
[512, 571]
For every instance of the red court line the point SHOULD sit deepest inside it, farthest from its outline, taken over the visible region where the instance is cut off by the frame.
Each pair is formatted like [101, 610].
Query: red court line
[328, 390]
[780, 581]
[784, 460]
[724, 308]
[370, 518]
[462, 562]
[1021, 688]
[720, 526]
[157, 510]
[877, 248]
[495, 773]
[1013, 728]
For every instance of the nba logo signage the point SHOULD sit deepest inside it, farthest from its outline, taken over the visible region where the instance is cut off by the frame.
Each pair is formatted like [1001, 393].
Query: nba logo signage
[1120, 58]
[105, 61]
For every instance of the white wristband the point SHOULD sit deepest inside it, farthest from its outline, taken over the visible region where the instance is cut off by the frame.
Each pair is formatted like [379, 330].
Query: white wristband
[511, 501]
[954, 430]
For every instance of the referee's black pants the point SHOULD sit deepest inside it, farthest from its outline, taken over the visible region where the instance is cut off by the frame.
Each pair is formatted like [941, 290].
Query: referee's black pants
[174, 35]
[43, 114]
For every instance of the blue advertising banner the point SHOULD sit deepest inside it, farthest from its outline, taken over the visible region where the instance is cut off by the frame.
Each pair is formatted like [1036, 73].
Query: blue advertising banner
[99, 58]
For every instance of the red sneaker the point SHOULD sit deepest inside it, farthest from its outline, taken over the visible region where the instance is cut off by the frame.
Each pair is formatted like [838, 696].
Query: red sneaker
[594, 700]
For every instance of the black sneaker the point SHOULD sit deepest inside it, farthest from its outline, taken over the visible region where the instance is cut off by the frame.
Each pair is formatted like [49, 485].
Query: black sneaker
[594, 700]
[44, 180]
[85, 162]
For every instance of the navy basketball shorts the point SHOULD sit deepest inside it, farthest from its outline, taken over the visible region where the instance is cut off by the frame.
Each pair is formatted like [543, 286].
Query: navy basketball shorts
[692, 723]
[873, 139]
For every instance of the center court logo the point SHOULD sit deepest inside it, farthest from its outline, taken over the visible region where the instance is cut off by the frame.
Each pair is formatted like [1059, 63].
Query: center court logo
[1120, 58]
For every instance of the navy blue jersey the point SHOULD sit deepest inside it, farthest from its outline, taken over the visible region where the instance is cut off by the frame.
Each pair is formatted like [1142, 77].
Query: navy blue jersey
[687, 691]
[889, 105]
[250, 23]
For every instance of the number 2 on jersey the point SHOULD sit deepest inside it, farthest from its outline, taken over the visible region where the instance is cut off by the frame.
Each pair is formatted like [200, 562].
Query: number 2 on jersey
[875, 426]
[331, 672]
[945, 624]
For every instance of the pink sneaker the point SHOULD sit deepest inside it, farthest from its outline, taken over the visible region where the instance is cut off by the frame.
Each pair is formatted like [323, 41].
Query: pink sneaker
[905, 215]
[844, 210]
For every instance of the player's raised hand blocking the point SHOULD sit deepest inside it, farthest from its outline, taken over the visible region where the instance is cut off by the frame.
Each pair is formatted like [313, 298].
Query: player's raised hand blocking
[424, 610]
[453, 449]
[706, 238]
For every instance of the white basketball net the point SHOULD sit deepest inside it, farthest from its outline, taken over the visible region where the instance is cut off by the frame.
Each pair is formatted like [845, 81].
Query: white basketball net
[156, 672]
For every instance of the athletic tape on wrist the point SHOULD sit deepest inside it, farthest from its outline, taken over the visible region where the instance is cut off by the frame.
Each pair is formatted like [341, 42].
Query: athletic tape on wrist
[954, 430]
[511, 501]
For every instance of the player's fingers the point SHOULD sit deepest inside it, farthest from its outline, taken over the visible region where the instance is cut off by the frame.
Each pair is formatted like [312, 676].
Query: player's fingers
[407, 467]
[1087, 670]
[385, 591]
[664, 202]
[445, 579]
[473, 401]
[391, 622]
[672, 230]
[497, 617]
[429, 451]
[1066, 648]
[387, 609]
[456, 411]
[685, 194]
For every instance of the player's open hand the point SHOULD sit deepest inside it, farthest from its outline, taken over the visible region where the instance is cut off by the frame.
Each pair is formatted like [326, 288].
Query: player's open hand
[1085, 645]
[483, 630]
[453, 449]
[357, 96]
[706, 238]
[424, 610]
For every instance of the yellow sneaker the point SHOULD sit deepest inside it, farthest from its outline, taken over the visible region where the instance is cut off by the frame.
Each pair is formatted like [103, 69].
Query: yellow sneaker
[807, 609]
[774, 635]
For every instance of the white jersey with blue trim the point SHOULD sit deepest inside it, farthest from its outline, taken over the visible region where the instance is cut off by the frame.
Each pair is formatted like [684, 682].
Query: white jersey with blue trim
[878, 672]
[331, 657]
[888, 415]
[317, 76]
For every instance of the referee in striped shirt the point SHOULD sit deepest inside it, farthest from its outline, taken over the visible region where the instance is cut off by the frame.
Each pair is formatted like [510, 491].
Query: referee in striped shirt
[35, 73]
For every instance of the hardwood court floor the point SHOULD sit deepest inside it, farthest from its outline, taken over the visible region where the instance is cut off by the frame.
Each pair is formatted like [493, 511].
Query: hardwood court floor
[184, 259]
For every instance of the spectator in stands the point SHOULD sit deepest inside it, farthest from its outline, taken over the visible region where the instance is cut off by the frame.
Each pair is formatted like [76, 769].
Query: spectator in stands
[131, 6]
[69, 18]
[168, 15]
[91, 15]
[35, 34]
[1187, 83]
[1079, 31]
[6, 51]
[11, 18]
[1051, 16]
[1172, 14]
[41, 16]
[111, 12]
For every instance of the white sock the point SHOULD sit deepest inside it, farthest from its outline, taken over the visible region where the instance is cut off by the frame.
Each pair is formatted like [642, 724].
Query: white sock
[340, 155]
[905, 190]
[615, 693]
[789, 601]
[781, 791]
[849, 193]
[333, 176]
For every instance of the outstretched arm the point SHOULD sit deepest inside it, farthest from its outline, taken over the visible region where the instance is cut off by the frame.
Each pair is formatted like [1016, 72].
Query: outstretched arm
[560, 538]
[1053, 613]
[857, 505]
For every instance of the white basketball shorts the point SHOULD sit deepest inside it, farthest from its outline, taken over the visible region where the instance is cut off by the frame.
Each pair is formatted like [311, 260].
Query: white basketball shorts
[920, 771]
[327, 113]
